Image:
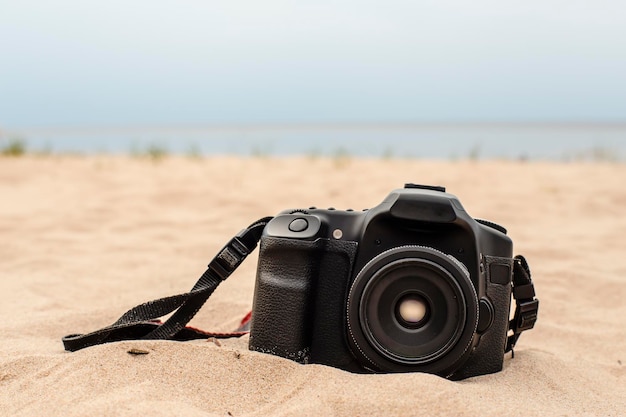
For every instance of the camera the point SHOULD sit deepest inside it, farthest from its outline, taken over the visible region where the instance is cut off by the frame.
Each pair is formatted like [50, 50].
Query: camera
[412, 285]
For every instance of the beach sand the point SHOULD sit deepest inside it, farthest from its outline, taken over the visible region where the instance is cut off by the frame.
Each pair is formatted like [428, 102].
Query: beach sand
[85, 238]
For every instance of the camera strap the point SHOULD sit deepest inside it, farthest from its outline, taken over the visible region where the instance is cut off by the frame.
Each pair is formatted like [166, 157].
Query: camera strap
[526, 305]
[142, 322]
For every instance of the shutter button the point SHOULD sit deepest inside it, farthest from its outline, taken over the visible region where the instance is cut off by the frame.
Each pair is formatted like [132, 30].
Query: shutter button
[298, 225]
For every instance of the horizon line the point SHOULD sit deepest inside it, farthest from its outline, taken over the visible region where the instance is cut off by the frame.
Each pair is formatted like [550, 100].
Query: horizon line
[314, 126]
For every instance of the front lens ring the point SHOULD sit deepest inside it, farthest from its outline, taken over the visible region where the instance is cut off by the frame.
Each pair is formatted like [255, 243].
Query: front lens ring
[422, 344]
[375, 355]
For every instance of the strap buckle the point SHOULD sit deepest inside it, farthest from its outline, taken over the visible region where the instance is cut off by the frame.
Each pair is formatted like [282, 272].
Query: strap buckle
[229, 258]
[526, 316]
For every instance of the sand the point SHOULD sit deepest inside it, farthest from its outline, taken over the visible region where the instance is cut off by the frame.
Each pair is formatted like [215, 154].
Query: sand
[86, 238]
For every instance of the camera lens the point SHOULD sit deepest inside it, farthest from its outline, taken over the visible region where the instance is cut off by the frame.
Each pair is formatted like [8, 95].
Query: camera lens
[412, 308]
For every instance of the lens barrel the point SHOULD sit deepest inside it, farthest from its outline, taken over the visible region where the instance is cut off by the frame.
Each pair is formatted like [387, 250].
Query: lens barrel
[412, 308]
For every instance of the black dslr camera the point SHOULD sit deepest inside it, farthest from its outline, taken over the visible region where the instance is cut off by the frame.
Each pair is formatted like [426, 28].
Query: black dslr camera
[414, 284]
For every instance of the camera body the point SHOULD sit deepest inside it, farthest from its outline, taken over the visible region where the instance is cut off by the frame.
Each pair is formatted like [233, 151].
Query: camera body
[412, 285]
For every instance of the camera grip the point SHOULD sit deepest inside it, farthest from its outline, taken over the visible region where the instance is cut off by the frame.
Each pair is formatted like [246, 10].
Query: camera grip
[287, 285]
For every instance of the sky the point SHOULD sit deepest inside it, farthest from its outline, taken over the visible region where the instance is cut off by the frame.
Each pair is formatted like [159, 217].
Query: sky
[139, 62]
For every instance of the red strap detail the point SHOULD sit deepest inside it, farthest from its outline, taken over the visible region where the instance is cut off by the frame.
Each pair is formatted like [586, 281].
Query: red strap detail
[246, 320]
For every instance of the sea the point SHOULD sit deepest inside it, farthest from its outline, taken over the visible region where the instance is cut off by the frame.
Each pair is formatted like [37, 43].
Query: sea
[549, 141]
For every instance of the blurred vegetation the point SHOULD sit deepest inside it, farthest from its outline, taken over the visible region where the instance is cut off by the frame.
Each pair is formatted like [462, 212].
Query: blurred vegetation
[153, 151]
[341, 158]
[601, 154]
[594, 154]
[314, 154]
[14, 147]
[261, 151]
[156, 152]
[194, 151]
[388, 153]
[474, 153]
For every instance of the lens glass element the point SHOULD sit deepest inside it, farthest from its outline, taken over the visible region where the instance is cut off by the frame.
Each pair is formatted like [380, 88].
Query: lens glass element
[412, 310]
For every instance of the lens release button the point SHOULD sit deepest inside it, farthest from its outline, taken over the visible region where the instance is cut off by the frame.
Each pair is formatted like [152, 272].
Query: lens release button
[485, 315]
[298, 225]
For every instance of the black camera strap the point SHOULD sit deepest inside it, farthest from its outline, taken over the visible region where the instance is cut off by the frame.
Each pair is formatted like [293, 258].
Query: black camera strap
[142, 322]
[526, 305]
